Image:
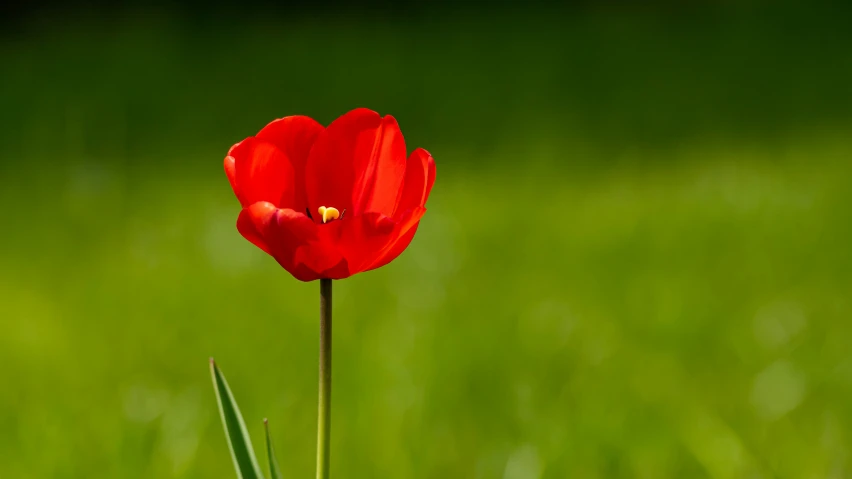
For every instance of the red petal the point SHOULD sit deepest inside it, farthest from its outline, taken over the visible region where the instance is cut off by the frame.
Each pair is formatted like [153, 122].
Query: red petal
[357, 164]
[294, 136]
[419, 178]
[380, 169]
[246, 227]
[231, 172]
[263, 173]
[365, 239]
[293, 241]
[395, 249]
[406, 229]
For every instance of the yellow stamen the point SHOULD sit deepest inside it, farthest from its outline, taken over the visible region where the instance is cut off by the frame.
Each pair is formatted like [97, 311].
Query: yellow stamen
[328, 214]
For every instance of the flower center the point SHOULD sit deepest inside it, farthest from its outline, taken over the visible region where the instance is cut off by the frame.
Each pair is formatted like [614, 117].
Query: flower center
[328, 214]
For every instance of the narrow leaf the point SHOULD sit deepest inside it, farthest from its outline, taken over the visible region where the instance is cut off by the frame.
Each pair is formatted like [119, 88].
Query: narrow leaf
[235, 429]
[274, 470]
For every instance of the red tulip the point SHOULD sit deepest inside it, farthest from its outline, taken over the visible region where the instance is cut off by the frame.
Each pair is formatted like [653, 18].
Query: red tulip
[330, 202]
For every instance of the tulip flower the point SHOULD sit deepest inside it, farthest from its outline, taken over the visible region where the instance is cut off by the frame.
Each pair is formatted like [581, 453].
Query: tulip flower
[326, 203]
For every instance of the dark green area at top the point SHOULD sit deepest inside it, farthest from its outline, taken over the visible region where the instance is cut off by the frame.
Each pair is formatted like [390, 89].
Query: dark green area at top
[616, 77]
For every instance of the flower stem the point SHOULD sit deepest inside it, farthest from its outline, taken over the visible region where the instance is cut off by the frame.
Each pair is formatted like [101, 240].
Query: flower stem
[324, 410]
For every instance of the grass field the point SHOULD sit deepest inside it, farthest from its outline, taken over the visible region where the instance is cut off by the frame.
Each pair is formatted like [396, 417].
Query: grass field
[636, 260]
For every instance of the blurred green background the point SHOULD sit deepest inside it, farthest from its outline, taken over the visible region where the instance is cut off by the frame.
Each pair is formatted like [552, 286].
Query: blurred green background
[635, 264]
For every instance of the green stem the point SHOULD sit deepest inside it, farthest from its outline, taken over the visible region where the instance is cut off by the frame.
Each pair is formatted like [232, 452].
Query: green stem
[324, 410]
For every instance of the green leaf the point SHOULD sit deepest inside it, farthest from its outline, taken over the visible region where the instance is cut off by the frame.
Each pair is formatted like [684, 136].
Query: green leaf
[274, 470]
[235, 429]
